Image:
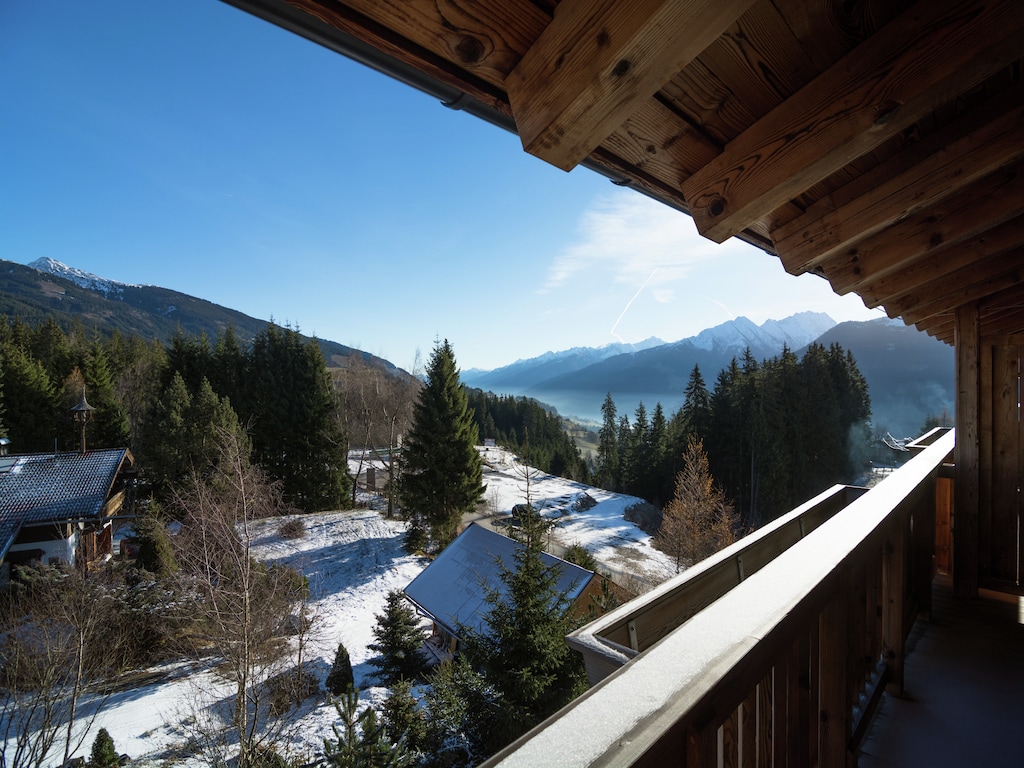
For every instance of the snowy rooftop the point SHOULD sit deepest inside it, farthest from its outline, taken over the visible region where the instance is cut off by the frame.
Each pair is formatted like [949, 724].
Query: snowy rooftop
[453, 588]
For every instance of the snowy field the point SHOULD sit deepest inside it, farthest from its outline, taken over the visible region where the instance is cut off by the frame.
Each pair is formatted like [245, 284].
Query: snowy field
[353, 559]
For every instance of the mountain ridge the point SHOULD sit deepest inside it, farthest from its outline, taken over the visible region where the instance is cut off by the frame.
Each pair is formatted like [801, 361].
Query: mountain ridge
[53, 289]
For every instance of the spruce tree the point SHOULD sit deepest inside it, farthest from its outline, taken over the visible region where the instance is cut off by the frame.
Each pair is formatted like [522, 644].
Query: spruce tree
[340, 679]
[399, 642]
[103, 754]
[443, 470]
[522, 651]
[607, 473]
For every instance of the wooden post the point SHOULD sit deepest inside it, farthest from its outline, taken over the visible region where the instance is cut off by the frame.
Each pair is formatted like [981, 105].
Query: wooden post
[834, 702]
[966, 511]
[894, 589]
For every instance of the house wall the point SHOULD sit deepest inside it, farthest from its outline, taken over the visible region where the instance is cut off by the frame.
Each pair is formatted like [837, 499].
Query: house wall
[55, 548]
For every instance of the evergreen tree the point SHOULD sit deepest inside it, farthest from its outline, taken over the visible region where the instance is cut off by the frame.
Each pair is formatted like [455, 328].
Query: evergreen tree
[522, 651]
[361, 741]
[607, 473]
[443, 470]
[461, 711]
[340, 679]
[696, 405]
[103, 754]
[30, 401]
[403, 718]
[109, 425]
[296, 429]
[399, 642]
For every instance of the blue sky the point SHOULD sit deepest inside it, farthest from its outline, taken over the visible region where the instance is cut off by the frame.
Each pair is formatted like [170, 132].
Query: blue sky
[192, 146]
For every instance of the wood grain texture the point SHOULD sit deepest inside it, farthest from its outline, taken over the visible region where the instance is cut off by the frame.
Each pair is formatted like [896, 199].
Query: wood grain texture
[901, 187]
[597, 62]
[877, 90]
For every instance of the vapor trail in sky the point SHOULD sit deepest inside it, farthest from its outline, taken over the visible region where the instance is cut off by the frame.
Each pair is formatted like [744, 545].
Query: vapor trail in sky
[629, 303]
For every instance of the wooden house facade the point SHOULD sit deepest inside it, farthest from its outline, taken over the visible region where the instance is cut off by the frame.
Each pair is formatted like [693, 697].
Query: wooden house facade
[57, 507]
[877, 144]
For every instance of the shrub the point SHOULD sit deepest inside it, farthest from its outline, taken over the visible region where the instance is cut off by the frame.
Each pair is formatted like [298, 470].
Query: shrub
[581, 556]
[291, 688]
[340, 678]
[292, 528]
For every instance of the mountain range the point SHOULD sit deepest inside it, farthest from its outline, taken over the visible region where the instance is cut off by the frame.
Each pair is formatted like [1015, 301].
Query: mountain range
[48, 288]
[910, 375]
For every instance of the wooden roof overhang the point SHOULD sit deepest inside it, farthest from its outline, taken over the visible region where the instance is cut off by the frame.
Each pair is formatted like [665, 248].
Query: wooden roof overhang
[876, 143]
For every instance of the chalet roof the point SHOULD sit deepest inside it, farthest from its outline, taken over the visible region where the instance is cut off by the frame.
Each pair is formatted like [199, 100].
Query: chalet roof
[52, 487]
[877, 144]
[451, 589]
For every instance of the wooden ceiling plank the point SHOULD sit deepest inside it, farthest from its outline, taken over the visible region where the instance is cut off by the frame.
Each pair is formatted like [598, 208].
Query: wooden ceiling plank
[979, 208]
[911, 276]
[598, 60]
[969, 284]
[825, 229]
[884, 85]
[660, 143]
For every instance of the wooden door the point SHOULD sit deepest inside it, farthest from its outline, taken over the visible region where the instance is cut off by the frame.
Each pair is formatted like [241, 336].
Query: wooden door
[1001, 463]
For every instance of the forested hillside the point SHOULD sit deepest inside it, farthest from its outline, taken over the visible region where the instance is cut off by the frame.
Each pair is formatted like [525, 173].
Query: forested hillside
[776, 432]
[523, 425]
[147, 311]
[168, 404]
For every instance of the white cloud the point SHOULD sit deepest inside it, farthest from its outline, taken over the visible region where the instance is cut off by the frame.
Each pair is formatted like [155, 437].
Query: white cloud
[627, 237]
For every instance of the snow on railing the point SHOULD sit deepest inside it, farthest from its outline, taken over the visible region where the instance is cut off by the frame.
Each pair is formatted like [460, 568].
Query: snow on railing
[782, 668]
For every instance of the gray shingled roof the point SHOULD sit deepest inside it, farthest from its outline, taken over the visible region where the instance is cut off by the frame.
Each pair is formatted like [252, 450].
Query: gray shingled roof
[450, 590]
[46, 487]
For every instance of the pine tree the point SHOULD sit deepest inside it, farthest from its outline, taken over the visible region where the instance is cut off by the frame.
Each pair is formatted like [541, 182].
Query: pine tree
[103, 754]
[403, 718]
[461, 711]
[340, 678]
[30, 401]
[399, 642]
[361, 741]
[109, 428]
[443, 470]
[522, 651]
[608, 472]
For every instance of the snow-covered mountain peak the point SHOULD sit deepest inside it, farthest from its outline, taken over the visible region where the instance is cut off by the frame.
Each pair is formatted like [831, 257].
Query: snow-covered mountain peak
[795, 331]
[79, 277]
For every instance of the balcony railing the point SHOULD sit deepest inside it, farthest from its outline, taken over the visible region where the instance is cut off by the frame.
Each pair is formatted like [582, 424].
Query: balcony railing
[771, 653]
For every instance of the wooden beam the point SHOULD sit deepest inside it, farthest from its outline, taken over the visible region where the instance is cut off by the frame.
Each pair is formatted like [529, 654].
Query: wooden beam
[966, 453]
[900, 187]
[598, 61]
[940, 262]
[972, 283]
[983, 206]
[884, 85]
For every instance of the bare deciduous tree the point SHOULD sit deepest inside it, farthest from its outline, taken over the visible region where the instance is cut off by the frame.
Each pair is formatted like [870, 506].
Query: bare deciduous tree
[59, 637]
[699, 520]
[245, 609]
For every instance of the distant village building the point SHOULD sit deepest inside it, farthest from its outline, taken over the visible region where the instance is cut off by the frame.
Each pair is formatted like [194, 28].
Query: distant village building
[452, 590]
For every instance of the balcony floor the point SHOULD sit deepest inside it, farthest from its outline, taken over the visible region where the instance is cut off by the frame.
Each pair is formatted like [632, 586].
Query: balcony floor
[964, 698]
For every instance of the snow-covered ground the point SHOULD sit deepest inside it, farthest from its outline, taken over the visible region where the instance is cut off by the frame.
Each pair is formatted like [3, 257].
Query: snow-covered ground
[353, 559]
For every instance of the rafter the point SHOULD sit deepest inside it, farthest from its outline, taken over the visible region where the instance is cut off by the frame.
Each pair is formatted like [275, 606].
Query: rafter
[597, 62]
[981, 207]
[968, 284]
[885, 84]
[989, 245]
[900, 187]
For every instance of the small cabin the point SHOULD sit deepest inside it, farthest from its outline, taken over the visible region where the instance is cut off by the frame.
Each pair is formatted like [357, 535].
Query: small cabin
[58, 507]
[452, 590]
